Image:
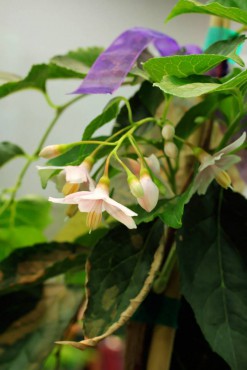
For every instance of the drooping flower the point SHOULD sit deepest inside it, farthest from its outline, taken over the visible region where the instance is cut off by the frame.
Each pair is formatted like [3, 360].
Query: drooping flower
[75, 174]
[214, 166]
[95, 202]
[112, 66]
[151, 192]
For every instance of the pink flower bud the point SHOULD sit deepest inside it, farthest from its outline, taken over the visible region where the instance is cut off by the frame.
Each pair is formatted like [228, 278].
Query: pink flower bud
[151, 192]
[52, 151]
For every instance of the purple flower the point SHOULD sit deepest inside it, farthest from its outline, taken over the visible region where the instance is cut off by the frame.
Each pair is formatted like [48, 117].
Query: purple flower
[111, 67]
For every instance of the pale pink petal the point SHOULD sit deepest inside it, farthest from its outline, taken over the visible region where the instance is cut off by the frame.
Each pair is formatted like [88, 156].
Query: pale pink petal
[153, 163]
[120, 215]
[50, 167]
[86, 205]
[94, 216]
[133, 165]
[236, 144]
[63, 200]
[203, 180]
[151, 194]
[207, 162]
[124, 209]
[76, 174]
[227, 161]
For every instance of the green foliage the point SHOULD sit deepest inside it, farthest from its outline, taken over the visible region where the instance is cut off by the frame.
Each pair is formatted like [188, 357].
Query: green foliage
[71, 65]
[22, 223]
[186, 65]
[9, 151]
[194, 85]
[235, 10]
[213, 274]
[119, 267]
[32, 325]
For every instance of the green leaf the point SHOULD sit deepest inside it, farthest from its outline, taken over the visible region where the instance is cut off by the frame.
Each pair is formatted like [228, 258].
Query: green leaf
[30, 266]
[228, 48]
[186, 65]
[193, 86]
[33, 321]
[198, 114]
[235, 10]
[9, 151]
[109, 113]
[213, 274]
[121, 268]
[22, 223]
[67, 66]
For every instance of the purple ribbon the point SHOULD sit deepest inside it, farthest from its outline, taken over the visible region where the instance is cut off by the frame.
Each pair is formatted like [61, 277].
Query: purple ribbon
[111, 67]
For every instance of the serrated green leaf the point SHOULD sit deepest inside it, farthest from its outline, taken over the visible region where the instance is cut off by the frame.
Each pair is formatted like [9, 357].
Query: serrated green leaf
[30, 266]
[235, 10]
[9, 151]
[193, 86]
[33, 321]
[213, 274]
[109, 113]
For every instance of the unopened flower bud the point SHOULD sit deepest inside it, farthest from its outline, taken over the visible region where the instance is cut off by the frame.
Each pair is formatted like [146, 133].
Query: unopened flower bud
[171, 150]
[168, 132]
[135, 186]
[223, 179]
[52, 151]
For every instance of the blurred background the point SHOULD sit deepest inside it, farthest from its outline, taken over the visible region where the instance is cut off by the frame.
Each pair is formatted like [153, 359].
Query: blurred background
[31, 32]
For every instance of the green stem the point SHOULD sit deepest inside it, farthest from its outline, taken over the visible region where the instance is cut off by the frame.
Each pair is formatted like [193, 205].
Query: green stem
[162, 280]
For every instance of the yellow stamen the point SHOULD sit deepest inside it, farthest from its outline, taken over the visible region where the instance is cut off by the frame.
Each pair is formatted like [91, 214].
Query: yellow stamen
[223, 179]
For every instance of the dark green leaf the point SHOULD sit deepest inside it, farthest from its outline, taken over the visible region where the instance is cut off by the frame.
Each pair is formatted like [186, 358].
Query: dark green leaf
[119, 267]
[213, 274]
[231, 9]
[29, 266]
[108, 114]
[9, 151]
[33, 321]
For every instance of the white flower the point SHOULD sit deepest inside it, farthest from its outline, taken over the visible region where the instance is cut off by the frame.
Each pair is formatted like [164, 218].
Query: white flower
[151, 192]
[214, 166]
[97, 201]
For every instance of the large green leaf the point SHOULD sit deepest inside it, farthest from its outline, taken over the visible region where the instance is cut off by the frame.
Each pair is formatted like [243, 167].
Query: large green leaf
[22, 223]
[186, 65]
[67, 66]
[32, 320]
[9, 151]
[198, 85]
[231, 9]
[29, 266]
[213, 274]
[121, 269]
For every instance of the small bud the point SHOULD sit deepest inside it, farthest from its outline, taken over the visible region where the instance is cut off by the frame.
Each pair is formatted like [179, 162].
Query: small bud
[52, 151]
[168, 132]
[171, 150]
[135, 186]
[223, 179]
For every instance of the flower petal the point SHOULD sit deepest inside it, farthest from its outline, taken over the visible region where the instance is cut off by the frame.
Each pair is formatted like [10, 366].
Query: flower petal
[236, 144]
[151, 194]
[124, 209]
[120, 215]
[76, 174]
[111, 67]
[227, 161]
[203, 180]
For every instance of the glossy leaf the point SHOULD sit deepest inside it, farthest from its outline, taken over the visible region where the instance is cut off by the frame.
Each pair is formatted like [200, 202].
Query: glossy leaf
[121, 269]
[9, 151]
[193, 86]
[235, 10]
[213, 274]
[29, 266]
[38, 318]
